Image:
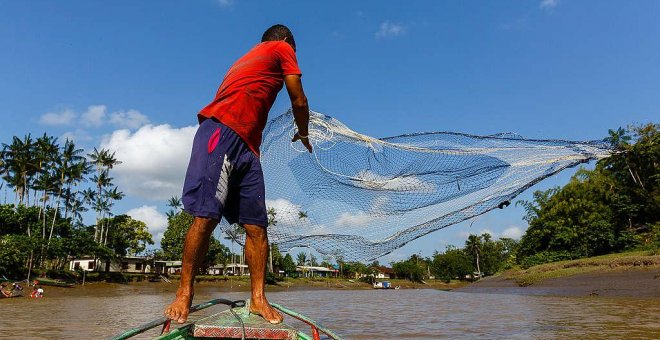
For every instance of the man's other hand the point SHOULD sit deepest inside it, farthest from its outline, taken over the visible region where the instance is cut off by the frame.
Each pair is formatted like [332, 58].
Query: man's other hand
[304, 140]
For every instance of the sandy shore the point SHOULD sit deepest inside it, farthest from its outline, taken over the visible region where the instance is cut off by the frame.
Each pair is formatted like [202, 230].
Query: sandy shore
[641, 282]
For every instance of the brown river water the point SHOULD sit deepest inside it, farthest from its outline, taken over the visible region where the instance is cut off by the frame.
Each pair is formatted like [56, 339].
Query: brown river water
[101, 310]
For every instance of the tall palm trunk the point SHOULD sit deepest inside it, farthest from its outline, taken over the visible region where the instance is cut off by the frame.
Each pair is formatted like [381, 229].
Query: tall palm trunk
[107, 227]
[57, 209]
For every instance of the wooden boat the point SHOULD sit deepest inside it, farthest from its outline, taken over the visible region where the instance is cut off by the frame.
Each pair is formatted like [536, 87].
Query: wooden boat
[51, 282]
[235, 323]
[14, 290]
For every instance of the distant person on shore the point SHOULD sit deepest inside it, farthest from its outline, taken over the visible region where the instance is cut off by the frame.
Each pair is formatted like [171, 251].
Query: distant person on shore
[37, 292]
[3, 290]
[224, 176]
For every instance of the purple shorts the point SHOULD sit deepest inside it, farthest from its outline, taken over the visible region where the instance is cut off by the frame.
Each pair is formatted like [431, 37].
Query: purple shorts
[224, 178]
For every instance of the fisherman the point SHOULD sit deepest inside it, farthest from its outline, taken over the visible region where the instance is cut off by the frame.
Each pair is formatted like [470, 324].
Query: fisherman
[3, 286]
[224, 176]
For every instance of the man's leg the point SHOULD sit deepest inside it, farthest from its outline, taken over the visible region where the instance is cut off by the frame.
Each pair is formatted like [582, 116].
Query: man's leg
[194, 251]
[256, 254]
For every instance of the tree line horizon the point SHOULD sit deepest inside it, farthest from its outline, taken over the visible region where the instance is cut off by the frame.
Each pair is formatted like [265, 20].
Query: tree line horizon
[612, 208]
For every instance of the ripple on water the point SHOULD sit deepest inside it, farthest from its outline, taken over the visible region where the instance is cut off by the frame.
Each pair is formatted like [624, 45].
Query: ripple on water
[104, 310]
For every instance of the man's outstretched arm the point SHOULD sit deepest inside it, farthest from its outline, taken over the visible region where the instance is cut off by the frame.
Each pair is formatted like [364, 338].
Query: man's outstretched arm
[300, 108]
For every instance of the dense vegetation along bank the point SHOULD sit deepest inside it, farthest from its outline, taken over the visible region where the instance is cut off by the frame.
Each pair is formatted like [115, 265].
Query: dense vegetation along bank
[612, 208]
[600, 264]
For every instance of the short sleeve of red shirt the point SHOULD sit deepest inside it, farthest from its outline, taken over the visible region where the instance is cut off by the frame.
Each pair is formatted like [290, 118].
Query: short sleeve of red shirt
[288, 59]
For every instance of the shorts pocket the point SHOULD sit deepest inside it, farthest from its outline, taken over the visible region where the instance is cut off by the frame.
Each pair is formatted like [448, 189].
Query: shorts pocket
[213, 141]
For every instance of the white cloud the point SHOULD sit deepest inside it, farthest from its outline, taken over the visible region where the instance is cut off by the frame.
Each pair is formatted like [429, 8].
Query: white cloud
[369, 180]
[389, 29]
[465, 234]
[154, 159]
[513, 232]
[94, 116]
[78, 135]
[548, 4]
[57, 118]
[155, 221]
[225, 3]
[131, 119]
[286, 211]
[354, 220]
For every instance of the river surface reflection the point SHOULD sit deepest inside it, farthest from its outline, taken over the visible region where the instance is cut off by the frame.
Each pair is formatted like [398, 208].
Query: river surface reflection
[97, 311]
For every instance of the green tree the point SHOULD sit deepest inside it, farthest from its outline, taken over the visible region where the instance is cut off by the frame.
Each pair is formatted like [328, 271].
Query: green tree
[454, 263]
[14, 250]
[175, 235]
[612, 208]
[288, 265]
[175, 205]
[412, 269]
[19, 166]
[103, 161]
[473, 247]
[127, 236]
[301, 259]
[217, 254]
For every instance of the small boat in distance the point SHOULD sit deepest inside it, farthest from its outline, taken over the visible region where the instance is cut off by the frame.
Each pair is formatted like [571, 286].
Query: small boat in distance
[234, 323]
[384, 285]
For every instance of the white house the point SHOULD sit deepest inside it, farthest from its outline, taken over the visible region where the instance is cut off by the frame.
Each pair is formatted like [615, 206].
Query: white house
[383, 272]
[167, 267]
[312, 271]
[86, 263]
[231, 269]
[129, 264]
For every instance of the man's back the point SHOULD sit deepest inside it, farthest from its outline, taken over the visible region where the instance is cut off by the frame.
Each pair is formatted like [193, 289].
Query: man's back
[249, 89]
[224, 177]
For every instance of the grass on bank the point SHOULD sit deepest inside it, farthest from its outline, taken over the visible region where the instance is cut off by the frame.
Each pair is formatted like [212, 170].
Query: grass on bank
[605, 263]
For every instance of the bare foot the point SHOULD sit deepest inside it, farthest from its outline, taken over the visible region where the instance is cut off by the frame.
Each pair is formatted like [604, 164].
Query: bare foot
[263, 308]
[179, 309]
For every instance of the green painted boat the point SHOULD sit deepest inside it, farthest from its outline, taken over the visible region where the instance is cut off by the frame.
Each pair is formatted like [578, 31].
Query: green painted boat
[235, 323]
[53, 283]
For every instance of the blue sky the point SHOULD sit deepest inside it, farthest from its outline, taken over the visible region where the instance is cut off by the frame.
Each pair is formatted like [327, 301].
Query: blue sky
[99, 72]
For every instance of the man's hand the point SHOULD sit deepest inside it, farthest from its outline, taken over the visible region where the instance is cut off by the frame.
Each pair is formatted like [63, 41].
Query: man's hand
[300, 108]
[304, 140]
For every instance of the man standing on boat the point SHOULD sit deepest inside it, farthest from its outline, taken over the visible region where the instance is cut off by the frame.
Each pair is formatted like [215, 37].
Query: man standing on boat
[224, 177]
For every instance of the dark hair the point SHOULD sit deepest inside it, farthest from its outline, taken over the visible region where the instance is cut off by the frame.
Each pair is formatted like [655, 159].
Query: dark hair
[279, 32]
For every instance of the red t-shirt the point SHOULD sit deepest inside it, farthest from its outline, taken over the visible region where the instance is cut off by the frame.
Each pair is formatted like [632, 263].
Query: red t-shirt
[249, 89]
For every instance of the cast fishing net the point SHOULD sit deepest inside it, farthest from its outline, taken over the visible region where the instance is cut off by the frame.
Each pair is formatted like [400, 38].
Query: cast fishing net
[358, 197]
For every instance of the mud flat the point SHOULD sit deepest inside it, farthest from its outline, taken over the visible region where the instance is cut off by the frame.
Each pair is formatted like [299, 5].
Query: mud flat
[629, 275]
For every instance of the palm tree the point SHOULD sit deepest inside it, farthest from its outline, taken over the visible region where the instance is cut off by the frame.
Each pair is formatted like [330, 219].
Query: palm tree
[175, 206]
[301, 258]
[19, 165]
[3, 172]
[112, 195]
[272, 221]
[104, 161]
[313, 261]
[75, 205]
[70, 168]
[46, 151]
[473, 246]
